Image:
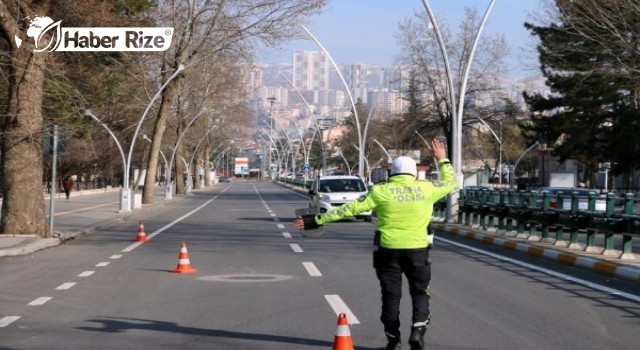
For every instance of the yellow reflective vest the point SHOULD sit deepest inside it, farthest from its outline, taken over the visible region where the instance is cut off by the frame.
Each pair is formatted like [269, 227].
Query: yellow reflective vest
[403, 207]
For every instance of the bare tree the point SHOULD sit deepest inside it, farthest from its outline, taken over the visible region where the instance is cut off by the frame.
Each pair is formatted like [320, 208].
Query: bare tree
[218, 26]
[23, 198]
[421, 53]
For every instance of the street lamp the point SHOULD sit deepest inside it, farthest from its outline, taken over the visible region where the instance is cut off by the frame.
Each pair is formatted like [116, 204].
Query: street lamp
[384, 149]
[353, 105]
[271, 101]
[164, 159]
[124, 192]
[456, 113]
[168, 188]
[499, 139]
[515, 165]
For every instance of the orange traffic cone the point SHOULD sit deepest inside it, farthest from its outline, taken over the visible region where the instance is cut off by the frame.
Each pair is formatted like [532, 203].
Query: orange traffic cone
[184, 265]
[141, 235]
[342, 340]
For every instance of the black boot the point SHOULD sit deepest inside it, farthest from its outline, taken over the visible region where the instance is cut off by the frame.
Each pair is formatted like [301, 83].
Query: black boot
[394, 345]
[393, 342]
[416, 340]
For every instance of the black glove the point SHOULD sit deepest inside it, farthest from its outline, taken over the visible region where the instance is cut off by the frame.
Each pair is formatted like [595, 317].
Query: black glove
[310, 221]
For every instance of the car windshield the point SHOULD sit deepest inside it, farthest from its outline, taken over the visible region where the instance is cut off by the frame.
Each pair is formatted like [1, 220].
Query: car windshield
[342, 185]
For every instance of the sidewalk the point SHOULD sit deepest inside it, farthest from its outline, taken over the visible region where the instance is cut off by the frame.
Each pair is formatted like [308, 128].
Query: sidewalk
[83, 212]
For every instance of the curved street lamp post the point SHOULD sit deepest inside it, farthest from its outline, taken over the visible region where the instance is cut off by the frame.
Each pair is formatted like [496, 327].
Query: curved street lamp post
[456, 113]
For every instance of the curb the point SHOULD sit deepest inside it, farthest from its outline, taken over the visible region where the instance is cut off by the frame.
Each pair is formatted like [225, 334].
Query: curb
[623, 272]
[31, 247]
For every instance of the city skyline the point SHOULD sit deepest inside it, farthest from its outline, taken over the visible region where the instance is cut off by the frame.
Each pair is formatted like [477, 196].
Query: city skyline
[362, 31]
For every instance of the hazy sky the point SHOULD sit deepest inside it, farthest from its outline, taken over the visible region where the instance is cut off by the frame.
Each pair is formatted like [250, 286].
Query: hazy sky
[362, 31]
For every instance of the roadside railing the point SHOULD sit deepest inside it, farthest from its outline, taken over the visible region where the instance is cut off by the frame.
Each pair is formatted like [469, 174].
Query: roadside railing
[609, 230]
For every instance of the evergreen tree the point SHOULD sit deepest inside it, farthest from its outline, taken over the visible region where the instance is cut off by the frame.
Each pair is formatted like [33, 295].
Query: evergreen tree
[592, 111]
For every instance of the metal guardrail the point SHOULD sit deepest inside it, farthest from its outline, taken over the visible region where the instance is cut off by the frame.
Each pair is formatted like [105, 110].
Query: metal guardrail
[508, 210]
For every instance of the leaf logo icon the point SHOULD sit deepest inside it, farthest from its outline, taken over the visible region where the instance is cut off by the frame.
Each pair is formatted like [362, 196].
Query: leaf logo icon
[54, 41]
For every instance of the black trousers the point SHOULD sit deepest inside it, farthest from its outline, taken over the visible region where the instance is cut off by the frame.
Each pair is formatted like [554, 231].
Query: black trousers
[390, 265]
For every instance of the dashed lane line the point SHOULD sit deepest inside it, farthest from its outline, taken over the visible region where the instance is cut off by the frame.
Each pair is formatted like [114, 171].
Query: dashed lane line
[7, 320]
[66, 286]
[86, 273]
[312, 270]
[286, 235]
[280, 226]
[40, 301]
[296, 248]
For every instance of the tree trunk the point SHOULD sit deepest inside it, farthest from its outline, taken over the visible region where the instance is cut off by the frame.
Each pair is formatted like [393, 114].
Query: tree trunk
[23, 208]
[156, 141]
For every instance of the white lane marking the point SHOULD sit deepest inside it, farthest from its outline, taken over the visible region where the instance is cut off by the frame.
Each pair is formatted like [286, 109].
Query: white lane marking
[272, 214]
[86, 274]
[66, 286]
[102, 264]
[270, 211]
[40, 301]
[286, 235]
[592, 285]
[118, 256]
[158, 231]
[280, 226]
[312, 269]
[339, 307]
[7, 320]
[296, 248]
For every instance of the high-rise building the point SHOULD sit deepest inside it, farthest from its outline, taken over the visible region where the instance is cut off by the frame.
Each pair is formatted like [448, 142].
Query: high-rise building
[310, 70]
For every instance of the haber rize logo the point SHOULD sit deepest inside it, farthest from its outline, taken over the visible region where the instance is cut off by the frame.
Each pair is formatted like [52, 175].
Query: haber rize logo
[51, 36]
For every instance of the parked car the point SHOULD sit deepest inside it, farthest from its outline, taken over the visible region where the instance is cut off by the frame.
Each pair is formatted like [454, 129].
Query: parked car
[224, 179]
[328, 192]
[583, 198]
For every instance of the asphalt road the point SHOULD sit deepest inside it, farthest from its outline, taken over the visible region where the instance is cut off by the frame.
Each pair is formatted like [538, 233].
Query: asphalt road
[260, 285]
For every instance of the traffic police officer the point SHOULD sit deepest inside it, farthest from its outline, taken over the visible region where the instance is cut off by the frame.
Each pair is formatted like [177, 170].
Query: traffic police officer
[403, 208]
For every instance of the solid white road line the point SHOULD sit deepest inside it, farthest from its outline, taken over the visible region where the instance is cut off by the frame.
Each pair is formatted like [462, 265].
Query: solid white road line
[7, 320]
[66, 286]
[158, 231]
[312, 270]
[86, 274]
[340, 307]
[40, 301]
[595, 286]
[296, 248]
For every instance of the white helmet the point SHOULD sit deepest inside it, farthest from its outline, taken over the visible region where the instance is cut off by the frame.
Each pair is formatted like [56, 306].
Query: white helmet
[404, 165]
